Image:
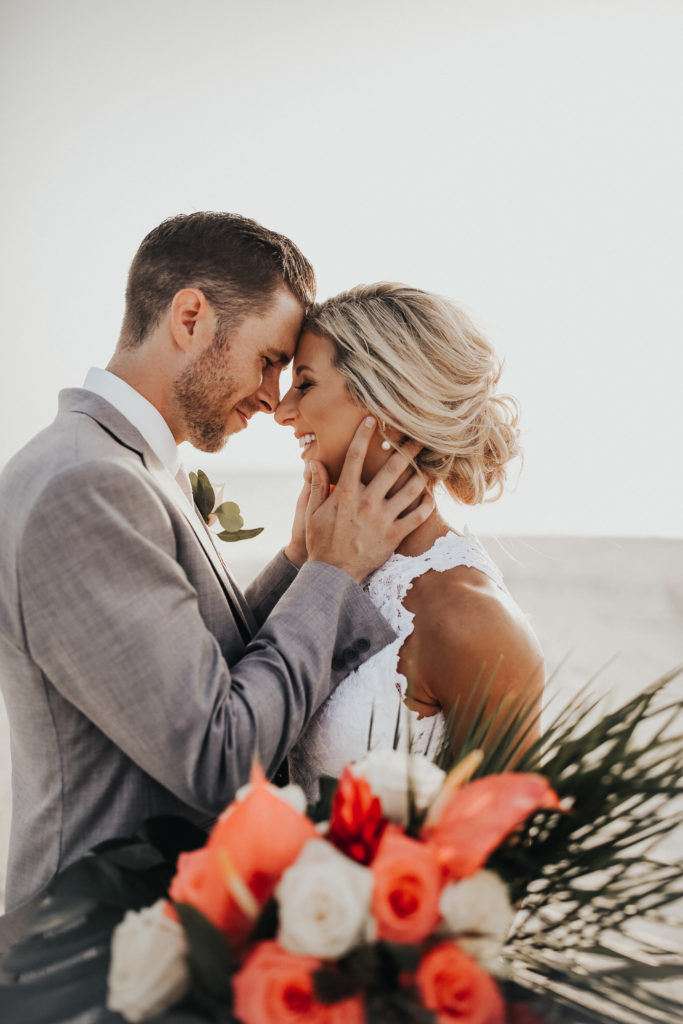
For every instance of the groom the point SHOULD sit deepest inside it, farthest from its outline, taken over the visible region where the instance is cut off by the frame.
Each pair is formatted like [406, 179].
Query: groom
[138, 679]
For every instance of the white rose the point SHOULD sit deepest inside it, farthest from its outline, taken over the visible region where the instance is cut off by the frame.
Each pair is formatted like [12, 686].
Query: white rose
[149, 970]
[478, 913]
[389, 771]
[324, 900]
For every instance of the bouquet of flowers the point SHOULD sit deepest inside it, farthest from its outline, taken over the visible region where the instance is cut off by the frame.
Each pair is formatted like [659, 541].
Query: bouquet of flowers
[510, 884]
[387, 902]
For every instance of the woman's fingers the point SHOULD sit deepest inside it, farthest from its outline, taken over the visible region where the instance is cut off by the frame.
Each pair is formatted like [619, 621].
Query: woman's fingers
[319, 488]
[350, 475]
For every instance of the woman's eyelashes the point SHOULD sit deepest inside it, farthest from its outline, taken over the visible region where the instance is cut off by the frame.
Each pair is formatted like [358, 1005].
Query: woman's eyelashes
[303, 386]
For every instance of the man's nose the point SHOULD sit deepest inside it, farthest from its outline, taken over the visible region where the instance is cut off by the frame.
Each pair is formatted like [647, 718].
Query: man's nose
[284, 414]
[268, 395]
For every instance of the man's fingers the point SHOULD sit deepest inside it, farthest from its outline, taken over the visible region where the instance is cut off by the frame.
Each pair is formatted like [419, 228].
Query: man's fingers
[406, 495]
[320, 487]
[396, 464]
[411, 521]
[357, 450]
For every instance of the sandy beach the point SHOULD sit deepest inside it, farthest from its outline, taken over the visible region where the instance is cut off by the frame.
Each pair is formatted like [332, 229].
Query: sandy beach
[610, 606]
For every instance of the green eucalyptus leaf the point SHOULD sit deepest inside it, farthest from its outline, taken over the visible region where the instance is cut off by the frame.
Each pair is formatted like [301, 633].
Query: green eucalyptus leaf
[239, 534]
[228, 515]
[203, 493]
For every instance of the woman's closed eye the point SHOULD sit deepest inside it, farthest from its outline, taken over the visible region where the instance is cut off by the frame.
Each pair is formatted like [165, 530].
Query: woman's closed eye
[303, 386]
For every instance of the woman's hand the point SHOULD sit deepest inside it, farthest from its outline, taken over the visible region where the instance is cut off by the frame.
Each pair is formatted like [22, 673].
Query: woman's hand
[296, 550]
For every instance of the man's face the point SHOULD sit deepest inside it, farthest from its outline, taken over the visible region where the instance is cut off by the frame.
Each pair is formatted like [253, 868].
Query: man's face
[238, 374]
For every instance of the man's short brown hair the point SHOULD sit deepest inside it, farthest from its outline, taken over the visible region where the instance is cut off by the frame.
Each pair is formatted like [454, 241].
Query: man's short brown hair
[237, 264]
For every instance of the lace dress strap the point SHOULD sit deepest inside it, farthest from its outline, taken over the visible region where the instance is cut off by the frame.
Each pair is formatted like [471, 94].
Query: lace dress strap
[388, 585]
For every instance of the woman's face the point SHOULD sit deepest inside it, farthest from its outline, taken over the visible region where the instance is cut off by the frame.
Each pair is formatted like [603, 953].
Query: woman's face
[321, 411]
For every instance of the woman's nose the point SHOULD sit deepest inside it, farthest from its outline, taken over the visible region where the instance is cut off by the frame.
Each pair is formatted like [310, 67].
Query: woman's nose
[284, 414]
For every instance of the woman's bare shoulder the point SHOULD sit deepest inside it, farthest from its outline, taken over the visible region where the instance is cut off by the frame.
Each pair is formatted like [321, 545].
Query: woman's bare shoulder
[471, 625]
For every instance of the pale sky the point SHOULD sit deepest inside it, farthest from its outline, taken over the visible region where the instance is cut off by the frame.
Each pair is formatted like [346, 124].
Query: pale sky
[523, 157]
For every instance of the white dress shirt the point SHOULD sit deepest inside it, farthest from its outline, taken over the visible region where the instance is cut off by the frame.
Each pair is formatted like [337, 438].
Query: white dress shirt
[145, 418]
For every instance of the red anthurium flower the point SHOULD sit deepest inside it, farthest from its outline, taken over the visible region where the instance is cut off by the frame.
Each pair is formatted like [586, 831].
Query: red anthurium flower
[356, 823]
[477, 818]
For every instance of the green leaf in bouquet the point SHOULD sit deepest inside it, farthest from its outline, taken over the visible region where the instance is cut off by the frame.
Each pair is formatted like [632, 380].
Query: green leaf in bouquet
[228, 515]
[240, 534]
[402, 1006]
[322, 809]
[211, 961]
[203, 493]
[332, 985]
[172, 835]
[267, 923]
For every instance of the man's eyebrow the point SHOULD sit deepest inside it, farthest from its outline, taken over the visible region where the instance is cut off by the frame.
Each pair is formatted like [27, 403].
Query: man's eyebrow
[280, 356]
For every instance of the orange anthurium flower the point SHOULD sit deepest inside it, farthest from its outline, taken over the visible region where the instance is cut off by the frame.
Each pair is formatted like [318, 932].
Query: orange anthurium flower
[250, 845]
[477, 818]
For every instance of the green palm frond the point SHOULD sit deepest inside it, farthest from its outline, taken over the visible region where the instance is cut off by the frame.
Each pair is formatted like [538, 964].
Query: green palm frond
[589, 872]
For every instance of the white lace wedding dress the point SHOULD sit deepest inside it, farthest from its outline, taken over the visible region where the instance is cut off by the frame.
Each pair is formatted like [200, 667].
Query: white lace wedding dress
[375, 691]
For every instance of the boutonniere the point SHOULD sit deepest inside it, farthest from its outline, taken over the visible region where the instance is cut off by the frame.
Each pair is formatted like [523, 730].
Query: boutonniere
[213, 510]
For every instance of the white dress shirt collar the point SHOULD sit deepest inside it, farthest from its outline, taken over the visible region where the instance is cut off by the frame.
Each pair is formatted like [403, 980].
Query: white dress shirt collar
[138, 411]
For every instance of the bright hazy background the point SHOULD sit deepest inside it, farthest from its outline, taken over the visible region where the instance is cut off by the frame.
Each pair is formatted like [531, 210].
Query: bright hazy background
[521, 156]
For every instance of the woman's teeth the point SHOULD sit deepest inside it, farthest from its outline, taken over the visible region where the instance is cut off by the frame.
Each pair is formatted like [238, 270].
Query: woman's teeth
[305, 440]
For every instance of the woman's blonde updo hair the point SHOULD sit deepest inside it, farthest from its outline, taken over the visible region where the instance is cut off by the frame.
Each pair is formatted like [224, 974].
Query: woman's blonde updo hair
[417, 362]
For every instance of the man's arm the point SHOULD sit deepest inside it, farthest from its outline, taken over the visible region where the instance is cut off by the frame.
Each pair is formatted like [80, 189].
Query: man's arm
[114, 624]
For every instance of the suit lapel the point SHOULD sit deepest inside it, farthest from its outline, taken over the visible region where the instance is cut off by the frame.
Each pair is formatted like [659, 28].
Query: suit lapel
[240, 608]
[116, 424]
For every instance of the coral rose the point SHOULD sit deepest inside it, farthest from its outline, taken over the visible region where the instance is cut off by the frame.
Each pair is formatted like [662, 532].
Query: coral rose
[276, 987]
[456, 989]
[405, 898]
[477, 818]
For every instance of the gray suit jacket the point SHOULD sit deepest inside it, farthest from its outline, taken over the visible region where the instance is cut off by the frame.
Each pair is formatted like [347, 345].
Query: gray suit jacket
[128, 686]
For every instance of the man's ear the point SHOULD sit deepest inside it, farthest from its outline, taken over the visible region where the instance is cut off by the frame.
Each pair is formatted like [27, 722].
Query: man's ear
[190, 316]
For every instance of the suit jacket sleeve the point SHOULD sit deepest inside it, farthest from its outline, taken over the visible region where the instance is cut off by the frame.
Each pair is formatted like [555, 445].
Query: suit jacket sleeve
[267, 588]
[113, 622]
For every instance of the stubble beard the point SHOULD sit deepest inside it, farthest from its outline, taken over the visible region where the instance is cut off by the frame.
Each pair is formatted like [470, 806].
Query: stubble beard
[203, 392]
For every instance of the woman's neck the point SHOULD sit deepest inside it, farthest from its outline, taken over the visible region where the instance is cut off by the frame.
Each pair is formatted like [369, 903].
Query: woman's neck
[421, 539]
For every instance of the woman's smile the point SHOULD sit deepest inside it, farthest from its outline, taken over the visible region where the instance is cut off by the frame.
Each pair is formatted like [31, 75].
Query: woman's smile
[306, 442]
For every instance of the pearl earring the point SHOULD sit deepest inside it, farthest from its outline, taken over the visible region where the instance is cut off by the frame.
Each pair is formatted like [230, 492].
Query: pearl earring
[385, 445]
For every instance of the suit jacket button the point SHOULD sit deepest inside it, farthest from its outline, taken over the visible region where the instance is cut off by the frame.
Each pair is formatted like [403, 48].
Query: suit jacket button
[338, 664]
[350, 656]
[362, 645]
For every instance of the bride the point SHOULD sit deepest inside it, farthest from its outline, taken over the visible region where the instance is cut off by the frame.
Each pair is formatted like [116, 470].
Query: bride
[418, 364]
